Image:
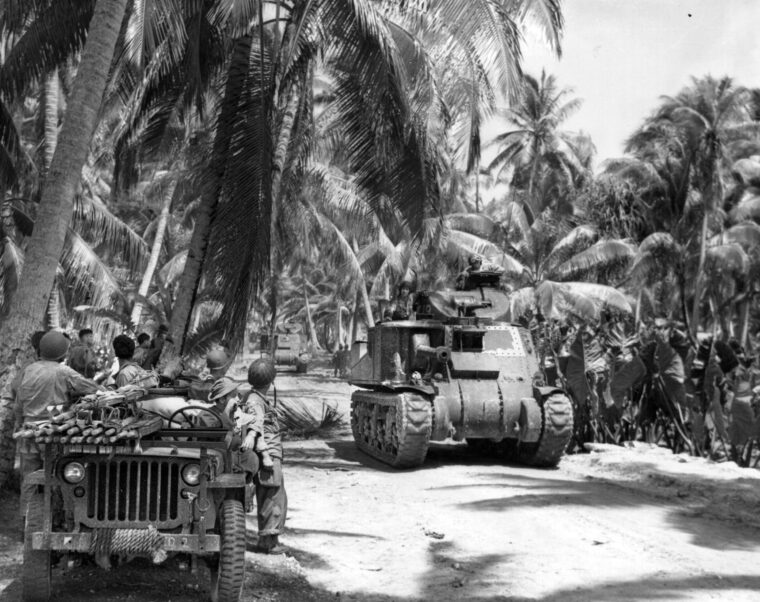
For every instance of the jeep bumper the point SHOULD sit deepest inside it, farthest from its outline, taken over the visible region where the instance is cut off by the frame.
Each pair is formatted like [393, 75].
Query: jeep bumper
[83, 542]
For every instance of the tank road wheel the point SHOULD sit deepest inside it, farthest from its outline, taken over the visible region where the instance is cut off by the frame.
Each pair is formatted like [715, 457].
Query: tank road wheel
[395, 428]
[556, 432]
[227, 580]
[35, 575]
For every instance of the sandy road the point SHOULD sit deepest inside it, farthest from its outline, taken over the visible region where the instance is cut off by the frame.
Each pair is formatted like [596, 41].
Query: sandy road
[464, 528]
[460, 527]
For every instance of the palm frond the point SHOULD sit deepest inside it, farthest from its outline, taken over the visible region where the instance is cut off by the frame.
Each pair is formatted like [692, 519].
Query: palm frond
[747, 209]
[579, 294]
[575, 241]
[729, 259]
[11, 264]
[94, 221]
[86, 276]
[658, 254]
[747, 235]
[473, 223]
[57, 32]
[11, 150]
[600, 255]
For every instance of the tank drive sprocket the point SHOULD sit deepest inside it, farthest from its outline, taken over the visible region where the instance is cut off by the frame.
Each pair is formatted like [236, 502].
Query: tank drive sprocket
[395, 428]
[556, 431]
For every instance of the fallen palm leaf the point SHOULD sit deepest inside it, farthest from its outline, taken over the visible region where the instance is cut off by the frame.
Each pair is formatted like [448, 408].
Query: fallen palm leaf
[298, 421]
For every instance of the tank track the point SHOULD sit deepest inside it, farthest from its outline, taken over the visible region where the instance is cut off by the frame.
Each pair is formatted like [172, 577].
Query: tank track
[556, 432]
[394, 428]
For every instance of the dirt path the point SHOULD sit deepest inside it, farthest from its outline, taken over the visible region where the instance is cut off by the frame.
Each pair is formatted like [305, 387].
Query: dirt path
[461, 527]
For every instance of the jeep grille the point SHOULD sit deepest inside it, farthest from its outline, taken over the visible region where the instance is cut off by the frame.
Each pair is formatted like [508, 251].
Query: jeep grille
[134, 490]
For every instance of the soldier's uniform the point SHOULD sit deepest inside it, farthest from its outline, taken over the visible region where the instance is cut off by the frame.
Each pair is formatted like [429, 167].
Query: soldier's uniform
[271, 498]
[43, 383]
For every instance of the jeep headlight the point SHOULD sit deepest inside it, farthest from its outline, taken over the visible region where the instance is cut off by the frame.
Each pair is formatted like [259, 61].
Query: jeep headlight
[191, 474]
[73, 472]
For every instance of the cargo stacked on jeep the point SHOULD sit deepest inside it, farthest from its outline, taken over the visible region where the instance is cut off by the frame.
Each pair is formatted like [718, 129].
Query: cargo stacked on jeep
[150, 493]
[457, 370]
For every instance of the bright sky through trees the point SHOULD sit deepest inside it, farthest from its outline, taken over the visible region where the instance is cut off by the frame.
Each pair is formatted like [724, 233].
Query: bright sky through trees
[620, 56]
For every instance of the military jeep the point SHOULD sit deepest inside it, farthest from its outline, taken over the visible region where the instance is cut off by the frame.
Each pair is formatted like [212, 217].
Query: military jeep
[167, 492]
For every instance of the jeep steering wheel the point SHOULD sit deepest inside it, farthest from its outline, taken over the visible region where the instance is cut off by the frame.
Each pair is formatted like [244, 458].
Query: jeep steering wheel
[190, 419]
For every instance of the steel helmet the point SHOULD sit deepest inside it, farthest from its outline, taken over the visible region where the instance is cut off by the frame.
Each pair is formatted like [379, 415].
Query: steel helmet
[217, 358]
[53, 346]
[261, 372]
[221, 388]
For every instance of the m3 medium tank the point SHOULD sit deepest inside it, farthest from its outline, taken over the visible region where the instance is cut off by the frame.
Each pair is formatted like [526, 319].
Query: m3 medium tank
[457, 370]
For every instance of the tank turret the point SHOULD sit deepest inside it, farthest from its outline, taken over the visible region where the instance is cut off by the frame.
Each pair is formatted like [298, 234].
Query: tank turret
[456, 370]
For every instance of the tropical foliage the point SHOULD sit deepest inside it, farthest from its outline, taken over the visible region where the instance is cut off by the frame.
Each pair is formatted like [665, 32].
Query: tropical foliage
[253, 162]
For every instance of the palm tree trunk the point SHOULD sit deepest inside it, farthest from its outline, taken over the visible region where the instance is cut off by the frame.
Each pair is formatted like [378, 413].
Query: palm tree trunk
[532, 182]
[338, 327]
[700, 275]
[187, 289]
[355, 319]
[53, 312]
[50, 93]
[155, 253]
[351, 332]
[362, 286]
[273, 310]
[367, 305]
[310, 320]
[744, 321]
[60, 184]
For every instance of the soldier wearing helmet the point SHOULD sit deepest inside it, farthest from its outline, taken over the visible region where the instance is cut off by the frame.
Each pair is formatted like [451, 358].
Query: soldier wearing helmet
[271, 499]
[218, 361]
[48, 381]
[475, 263]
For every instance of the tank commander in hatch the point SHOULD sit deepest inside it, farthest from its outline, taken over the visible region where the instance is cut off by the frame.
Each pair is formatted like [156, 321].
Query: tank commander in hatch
[476, 263]
[401, 308]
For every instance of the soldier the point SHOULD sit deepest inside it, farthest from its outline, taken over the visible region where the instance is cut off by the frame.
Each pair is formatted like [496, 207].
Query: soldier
[157, 344]
[402, 305]
[475, 263]
[129, 372]
[45, 382]
[82, 356]
[142, 356]
[248, 443]
[271, 498]
[218, 362]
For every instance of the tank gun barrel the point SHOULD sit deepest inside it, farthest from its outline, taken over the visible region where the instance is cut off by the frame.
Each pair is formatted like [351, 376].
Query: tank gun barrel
[439, 354]
[468, 306]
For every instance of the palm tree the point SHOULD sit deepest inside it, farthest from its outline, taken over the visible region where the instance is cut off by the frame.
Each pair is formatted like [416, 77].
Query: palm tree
[690, 136]
[59, 188]
[381, 96]
[536, 146]
[553, 269]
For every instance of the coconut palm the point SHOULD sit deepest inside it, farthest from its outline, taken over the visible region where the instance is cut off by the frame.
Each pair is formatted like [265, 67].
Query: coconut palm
[59, 188]
[383, 108]
[691, 134]
[552, 268]
[535, 145]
